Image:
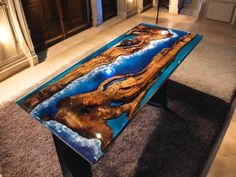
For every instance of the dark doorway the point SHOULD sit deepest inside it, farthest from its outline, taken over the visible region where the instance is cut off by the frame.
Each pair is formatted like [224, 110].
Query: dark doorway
[109, 9]
[52, 21]
[147, 4]
[164, 3]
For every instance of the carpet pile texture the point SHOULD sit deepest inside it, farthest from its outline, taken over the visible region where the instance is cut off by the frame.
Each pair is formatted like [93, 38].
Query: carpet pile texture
[26, 147]
[164, 143]
[167, 143]
[210, 68]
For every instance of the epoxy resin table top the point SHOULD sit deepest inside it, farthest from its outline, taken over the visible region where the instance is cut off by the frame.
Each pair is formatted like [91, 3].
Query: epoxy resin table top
[88, 105]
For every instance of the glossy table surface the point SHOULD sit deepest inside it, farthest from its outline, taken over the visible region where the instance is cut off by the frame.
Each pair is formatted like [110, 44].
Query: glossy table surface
[88, 105]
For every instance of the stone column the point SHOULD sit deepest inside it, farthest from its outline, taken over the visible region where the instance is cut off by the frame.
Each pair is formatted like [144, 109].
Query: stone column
[127, 8]
[18, 39]
[173, 8]
[140, 6]
[154, 3]
[196, 4]
[22, 31]
[97, 14]
[121, 8]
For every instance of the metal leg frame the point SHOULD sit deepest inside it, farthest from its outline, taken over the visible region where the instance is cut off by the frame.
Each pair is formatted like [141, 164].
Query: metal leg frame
[159, 99]
[72, 164]
[158, 9]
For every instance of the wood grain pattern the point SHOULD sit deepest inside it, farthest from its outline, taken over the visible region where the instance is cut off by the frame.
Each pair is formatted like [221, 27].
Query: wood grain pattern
[87, 113]
[144, 35]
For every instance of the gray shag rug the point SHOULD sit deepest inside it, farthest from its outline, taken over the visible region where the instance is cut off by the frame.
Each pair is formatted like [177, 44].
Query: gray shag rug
[210, 68]
[26, 147]
[167, 143]
[157, 143]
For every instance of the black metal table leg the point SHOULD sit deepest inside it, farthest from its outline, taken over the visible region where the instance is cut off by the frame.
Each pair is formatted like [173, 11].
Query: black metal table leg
[158, 9]
[72, 164]
[160, 97]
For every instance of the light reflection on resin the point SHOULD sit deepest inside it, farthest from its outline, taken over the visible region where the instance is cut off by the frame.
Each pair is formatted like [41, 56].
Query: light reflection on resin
[109, 71]
[164, 32]
[90, 105]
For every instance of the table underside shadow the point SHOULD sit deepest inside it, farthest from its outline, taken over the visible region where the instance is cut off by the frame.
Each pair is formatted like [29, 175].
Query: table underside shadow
[181, 102]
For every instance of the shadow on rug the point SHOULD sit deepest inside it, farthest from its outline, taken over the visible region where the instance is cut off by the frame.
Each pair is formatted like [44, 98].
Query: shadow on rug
[167, 143]
[157, 143]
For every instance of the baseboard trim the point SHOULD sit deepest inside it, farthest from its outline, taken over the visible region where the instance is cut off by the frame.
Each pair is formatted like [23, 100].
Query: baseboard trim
[14, 68]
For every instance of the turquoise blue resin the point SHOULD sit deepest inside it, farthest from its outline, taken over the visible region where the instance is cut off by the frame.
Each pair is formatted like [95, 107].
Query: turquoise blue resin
[91, 149]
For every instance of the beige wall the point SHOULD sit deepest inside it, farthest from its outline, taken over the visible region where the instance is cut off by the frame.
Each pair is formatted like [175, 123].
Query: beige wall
[173, 6]
[221, 10]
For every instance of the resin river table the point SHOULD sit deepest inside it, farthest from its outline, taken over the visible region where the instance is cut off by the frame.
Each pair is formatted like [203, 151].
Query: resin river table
[88, 105]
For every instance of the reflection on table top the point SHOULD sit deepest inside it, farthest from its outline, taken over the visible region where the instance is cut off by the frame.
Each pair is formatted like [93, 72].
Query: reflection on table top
[88, 105]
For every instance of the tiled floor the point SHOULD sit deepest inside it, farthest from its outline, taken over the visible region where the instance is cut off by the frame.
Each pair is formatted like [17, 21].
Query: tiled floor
[71, 50]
